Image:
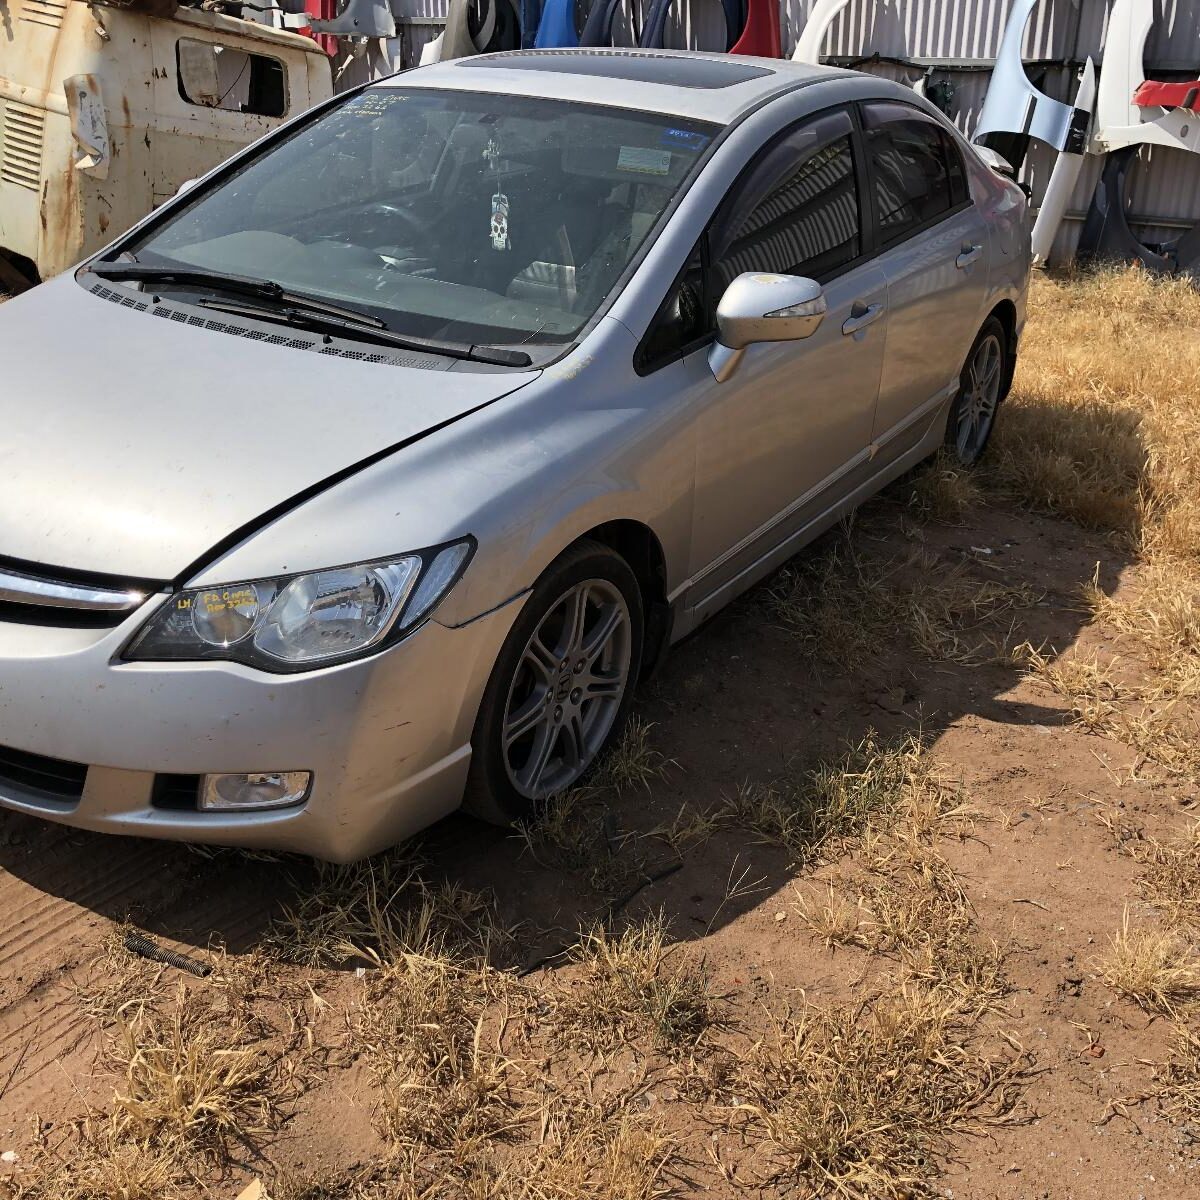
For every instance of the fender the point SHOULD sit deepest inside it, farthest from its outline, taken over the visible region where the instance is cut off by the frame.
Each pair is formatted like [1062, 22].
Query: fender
[761, 34]
[812, 37]
[1014, 105]
[598, 29]
[1106, 234]
[656, 25]
[1119, 120]
[455, 41]
[556, 30]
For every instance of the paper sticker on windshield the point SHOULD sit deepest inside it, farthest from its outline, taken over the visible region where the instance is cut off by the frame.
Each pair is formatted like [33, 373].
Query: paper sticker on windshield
[644, 160]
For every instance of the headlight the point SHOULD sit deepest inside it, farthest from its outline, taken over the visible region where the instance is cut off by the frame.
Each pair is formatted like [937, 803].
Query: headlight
[299, 622]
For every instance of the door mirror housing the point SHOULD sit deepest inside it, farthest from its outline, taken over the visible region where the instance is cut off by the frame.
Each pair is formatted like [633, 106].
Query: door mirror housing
[758, 307]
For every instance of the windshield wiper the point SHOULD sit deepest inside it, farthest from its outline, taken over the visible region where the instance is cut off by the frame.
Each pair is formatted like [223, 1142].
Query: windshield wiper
[220, 281]
[144, 273]
[323, 319]
[295, 309]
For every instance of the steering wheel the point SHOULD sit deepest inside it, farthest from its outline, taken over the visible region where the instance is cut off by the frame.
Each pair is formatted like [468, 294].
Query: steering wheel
[417, 225]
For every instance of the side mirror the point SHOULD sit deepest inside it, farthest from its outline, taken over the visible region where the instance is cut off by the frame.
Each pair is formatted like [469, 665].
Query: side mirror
[183, 187]
[763, 308]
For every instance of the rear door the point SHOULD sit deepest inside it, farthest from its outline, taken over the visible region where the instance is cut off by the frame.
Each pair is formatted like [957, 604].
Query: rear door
[933, 251]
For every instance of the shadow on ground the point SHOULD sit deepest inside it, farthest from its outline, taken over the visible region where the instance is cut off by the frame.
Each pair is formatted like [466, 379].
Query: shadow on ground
[742, 701]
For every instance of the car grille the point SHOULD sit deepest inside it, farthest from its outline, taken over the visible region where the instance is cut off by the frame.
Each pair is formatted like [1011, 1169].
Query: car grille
[38, 773]
[33, 594]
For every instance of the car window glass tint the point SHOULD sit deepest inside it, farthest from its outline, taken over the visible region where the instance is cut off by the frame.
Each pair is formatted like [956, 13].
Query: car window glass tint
[680, 321]
[476, 218]
[918, 174]
[808, 224]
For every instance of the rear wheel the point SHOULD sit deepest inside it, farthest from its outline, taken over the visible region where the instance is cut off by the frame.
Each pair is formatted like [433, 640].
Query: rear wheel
[973, 413]
[562, 685]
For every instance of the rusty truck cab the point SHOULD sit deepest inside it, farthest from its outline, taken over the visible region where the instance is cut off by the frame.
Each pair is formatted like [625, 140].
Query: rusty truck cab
[105, 111]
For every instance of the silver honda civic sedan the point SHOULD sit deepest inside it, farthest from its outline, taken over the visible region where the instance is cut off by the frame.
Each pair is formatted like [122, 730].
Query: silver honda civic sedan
[367, 475]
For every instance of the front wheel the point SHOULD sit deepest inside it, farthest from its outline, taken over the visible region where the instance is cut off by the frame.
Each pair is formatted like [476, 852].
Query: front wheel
[562, 685]
[973, 413]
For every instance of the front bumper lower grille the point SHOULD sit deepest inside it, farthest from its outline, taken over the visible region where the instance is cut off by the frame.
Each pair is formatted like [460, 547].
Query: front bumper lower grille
[54, 777]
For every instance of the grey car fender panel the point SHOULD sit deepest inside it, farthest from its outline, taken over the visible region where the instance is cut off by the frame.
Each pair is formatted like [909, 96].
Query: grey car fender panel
[1014, 105]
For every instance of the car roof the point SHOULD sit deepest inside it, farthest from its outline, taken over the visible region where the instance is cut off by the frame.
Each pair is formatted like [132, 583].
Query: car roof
[706, 87]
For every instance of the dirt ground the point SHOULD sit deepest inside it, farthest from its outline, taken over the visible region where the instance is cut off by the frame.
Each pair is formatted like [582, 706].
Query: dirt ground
[892, 891]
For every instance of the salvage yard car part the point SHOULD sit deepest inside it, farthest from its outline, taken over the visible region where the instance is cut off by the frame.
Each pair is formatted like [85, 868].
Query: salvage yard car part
[1107, 237]
[423, 502]
[1013, 105]
[1064, 176]
[1119, 116]
[812, 36]
[760, 33]
[1124, 95]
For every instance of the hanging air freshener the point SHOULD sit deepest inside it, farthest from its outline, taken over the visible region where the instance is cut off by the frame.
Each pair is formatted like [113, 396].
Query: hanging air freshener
[500, 222]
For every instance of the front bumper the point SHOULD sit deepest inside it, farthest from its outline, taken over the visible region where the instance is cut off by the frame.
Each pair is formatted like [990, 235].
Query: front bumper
[387, 738]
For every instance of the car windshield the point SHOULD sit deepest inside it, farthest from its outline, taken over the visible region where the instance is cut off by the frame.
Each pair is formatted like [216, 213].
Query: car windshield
[454, 215]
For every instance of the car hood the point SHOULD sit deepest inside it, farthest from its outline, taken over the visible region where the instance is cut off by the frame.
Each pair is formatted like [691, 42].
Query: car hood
[132, 446]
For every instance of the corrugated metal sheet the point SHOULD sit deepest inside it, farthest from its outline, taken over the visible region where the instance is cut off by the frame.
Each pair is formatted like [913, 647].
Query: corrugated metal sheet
[1166, 189]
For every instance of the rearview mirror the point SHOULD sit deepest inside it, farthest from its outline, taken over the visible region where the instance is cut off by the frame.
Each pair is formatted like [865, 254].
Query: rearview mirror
[757, 307]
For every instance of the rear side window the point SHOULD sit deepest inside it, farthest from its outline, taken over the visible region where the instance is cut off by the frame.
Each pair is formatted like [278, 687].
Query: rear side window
[916, 169]
[804, 219]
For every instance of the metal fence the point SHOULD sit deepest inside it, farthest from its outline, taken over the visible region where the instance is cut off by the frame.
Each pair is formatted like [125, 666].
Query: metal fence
[957, 40]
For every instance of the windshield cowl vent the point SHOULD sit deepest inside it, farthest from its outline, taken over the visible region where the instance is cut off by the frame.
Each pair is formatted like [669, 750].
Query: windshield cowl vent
[273, 335]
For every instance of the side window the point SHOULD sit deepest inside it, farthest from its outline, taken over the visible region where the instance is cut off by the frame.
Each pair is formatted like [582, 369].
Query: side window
[215, 76]
[794, 211]
[680, 321]
[916, 168]
[797, 213]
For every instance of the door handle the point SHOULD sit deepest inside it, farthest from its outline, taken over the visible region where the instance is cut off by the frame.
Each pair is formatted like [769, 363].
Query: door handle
[861, 315]
[967, 255]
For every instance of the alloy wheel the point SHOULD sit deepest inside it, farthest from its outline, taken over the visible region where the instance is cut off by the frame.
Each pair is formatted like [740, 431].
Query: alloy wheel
[567, 689]
[980, 395]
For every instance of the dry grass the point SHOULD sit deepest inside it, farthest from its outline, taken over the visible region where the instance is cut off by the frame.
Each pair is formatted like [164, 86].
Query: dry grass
[943, 491]
[381, 910]
[422, 1029]
[191, 1075]
[919, 915]
[1103, 424]
[857, 1101]
[102, 1165]
[842, 604]
[1178, 1078]
[633, 763]
[1155, 968]
[870, 790]
[626, 1158]
[634, 984]
[1103, 427]
[1170, 874]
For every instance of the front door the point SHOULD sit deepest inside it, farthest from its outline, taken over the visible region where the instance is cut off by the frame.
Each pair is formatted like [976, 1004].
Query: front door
[777, 442]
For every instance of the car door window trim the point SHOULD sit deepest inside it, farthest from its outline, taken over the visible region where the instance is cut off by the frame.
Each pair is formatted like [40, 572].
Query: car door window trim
[644, 367]
[882, 243]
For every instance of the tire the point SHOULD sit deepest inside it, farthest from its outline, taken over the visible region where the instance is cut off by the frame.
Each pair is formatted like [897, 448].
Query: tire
[981, 388]
[540, 690]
